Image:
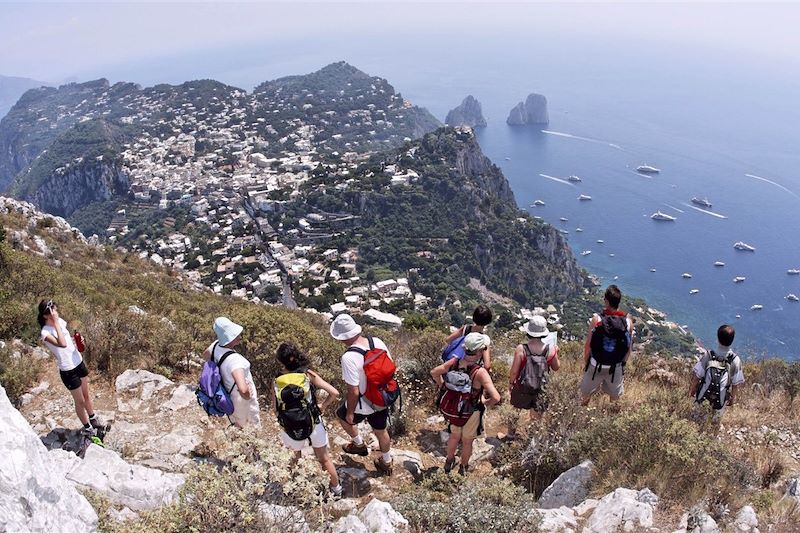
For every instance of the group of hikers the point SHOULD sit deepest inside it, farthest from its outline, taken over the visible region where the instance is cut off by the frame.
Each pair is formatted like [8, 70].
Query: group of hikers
[368, 371]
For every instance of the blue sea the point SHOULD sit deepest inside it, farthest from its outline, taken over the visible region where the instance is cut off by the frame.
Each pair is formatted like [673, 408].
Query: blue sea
[719, 125]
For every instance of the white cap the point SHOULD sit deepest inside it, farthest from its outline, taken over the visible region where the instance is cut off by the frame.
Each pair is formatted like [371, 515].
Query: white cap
[344, 328]
[476, 341]
[226, 330]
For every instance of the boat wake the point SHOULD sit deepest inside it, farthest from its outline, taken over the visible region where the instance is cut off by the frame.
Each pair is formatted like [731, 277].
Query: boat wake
[706, 211]
[565, 182]
[675, 208]
[778, 185]
[579, 138]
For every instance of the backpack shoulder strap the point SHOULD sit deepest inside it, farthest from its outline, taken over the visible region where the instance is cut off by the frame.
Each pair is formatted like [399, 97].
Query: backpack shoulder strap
[357, 349]
[371, 342]
[526, 349]
[467, 330]
[545, 351]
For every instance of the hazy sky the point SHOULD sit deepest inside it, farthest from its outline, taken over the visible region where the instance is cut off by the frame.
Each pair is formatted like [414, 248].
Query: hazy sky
[58, 41]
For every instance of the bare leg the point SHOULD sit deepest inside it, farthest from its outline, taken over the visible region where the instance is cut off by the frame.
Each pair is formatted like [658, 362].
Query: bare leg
[466, 451]
[80, 408]
[350, 430]
[452, 444]
[87, 397]
[384, 440]
[585, 400]
[324, 459]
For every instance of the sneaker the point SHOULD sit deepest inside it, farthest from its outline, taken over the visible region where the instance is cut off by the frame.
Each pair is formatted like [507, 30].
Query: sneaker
[463, 469]
[382, 466]
[449, 464]
[356, 449]
[335, 493]
[86, 432]
[96, 422]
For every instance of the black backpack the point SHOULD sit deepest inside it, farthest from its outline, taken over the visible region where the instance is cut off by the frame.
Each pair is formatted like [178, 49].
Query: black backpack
[716, 381]
[296, 405]
[610, 342]
[533, 375]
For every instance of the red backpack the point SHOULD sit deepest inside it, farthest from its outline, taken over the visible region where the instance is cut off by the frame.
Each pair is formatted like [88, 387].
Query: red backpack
[382, 388]
[457, 401]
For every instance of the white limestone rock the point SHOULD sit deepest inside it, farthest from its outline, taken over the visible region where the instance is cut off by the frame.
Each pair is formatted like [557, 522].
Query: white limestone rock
[623, 510]
[411, 461]
[31, 497]
[349, 524]
[380, 517]
[182, 397]
[746, 520]
[559, 520]
[570, 488]
[284, 519]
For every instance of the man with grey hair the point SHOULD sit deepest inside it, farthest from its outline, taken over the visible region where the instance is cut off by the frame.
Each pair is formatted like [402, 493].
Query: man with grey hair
[356, 407]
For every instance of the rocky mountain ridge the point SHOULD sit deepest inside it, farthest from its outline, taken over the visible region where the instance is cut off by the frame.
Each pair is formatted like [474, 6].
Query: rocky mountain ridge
[468, 113]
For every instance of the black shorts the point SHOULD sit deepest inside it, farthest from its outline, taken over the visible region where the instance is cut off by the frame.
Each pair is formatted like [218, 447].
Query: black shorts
[536, 400]
[72, 378]
[377, 420]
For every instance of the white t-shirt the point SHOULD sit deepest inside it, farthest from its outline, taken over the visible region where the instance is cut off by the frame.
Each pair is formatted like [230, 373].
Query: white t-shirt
[736, 366]
[68, 357]
[234, 361]
[353, 373]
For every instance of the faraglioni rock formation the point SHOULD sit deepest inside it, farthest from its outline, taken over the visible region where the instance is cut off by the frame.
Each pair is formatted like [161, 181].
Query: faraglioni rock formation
[532, 111]
[469, 113]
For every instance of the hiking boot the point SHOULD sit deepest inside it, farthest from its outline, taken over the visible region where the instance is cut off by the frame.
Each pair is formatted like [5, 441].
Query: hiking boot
[449, 464]
[96, 422]
[335, 493]
[356, 449]
[463, 469]
[383, 467]
[86, 432]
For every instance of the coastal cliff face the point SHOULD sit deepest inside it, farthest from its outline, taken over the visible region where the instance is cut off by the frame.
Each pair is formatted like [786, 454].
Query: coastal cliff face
[469, 113]
[62, 194]
[532, 111]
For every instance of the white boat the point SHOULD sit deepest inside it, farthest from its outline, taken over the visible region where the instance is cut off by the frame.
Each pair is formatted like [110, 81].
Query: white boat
[647, 169]
[792, 297]
[537, 203]
[793, 272]
[686, 275]
[658, 215]
[600, 241]
[586, 252]
[702, 202]
[756, 307]
[537, 217]
[652, 270]
[578, 230]
[563, 219]
[573, 178]
[739, 279]
[719, 264]
[738, 316]
[744, 247]
[694, 291]
[584, 197]
[610, 255]
[565, 232]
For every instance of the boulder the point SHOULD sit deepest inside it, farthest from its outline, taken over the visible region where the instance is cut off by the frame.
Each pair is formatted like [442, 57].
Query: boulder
[104, 471]
[349, 524]
[746, 520]
[570, 488]
[411, 461]
[586, 506]
[148, 381]
[380, 517]
[793, 488]
[697, 520]
[354, 480]
[285, 519]
[343, 507]
[182, 397]
[623, 510]
[560, 520]
[32, 498]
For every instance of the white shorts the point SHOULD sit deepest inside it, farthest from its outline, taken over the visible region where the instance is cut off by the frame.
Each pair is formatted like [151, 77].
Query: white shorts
[319, 439]
[245, 412]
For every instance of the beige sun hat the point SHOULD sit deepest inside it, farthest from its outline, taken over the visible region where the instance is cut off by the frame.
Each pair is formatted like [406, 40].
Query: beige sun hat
[344, 328]
[537, 327]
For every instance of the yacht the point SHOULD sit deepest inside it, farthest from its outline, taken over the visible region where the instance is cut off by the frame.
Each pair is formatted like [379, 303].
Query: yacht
[537, 203]
[702, 202]
[686, 275]
[584, 197]
[610, 255]
[647, 169]
[573, 178]
[738, 316]
[719, 264]
[578, 230]
[793, 272]
[600, 241]
[744, 246]
[756, 307]
[586, 252]
[694, 291]
[658, 215]
[792, 297]
[739, 279]
[563, 231]
[652, 270]
[563, 219]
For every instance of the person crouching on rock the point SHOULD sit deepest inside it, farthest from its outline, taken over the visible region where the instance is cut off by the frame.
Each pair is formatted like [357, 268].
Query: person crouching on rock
[235, 373]
[294, 395]
[71, 367]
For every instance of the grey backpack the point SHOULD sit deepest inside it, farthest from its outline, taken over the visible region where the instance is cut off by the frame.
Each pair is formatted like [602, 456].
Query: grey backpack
[716, 381]
[533, 376]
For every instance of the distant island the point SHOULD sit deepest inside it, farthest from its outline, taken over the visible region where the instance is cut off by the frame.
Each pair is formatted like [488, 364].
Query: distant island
[532, 111]
[469, 113]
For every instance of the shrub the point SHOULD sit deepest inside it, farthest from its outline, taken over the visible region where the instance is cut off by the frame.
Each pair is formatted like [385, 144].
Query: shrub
[419, 357]
[472, 505]
[17, 373]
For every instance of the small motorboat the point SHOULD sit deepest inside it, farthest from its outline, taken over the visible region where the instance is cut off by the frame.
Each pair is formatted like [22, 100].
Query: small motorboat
[739, 279]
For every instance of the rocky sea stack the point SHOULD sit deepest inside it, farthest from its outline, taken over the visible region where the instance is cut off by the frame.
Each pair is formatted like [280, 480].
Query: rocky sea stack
[532, 111]
[469, 113]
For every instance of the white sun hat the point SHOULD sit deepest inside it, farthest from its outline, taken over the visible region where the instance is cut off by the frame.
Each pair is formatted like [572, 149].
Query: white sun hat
[344, 328]
[226, 330]
[537, 327]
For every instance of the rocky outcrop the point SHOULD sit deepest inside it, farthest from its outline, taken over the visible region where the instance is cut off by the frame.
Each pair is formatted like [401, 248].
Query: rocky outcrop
[569, 489]
[468, 113]
[623, 510]
[64, 193]
[31, 497]
[532, 111]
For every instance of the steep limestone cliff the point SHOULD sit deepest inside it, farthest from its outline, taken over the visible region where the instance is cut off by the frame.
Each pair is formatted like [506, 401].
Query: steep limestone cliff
[468, 113]
[532, 111]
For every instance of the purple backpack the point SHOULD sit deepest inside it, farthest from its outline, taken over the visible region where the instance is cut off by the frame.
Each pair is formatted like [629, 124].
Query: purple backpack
[211, 393]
